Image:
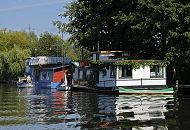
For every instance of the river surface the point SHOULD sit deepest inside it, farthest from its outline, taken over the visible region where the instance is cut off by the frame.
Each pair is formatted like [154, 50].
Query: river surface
[33, 109]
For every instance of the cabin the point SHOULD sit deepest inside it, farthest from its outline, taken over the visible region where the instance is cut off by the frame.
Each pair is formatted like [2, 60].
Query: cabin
[82, 72]
[119, 71]
[47, 72]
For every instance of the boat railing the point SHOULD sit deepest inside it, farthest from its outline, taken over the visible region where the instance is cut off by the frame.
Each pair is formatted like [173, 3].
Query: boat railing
[141, 83]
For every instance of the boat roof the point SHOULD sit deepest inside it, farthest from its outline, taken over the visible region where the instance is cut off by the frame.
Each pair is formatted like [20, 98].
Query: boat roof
[55, 67]
[107, 52]
[122, 60]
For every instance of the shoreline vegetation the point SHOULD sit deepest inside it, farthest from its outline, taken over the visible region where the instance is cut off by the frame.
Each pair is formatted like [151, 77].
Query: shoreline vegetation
[17, 46]
[12, 82]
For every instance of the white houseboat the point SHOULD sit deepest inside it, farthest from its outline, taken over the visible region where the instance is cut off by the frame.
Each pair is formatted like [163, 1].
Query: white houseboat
[117, 72]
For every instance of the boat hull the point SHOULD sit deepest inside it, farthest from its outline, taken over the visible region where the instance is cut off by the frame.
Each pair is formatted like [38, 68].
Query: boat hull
[124, 90]
[63, 87]
[48, 85]
[24, 85]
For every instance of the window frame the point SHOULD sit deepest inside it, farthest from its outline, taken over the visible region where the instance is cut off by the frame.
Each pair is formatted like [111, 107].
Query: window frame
[112, 71]
[124, 68]
[45, 76]
[157, 70]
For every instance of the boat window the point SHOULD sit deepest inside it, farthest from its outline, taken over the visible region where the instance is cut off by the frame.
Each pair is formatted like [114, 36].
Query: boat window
[84, 74]
[37, 75]
[104, 72]
[112, 71]
[96, 76]
[97, 57]
[44, 75]
[125, 71]
[156, 71]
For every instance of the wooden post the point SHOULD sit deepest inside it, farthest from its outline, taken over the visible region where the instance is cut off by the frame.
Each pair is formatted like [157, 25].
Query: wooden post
[104, 84]
[141, 82]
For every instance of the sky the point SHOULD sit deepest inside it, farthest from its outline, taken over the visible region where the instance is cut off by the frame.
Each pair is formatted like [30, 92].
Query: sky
[36, 14]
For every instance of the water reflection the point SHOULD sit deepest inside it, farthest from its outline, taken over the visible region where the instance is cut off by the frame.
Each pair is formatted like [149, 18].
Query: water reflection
[50, 109]
[12, 109]
[145, 111]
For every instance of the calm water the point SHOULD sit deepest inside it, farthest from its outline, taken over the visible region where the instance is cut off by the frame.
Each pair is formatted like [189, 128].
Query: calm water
[30, 109]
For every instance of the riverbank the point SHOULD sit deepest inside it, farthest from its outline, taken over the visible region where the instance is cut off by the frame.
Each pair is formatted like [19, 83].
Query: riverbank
[8, 82]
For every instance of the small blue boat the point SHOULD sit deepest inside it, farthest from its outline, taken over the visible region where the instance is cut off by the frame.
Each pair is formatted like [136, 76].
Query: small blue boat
[24, 82]
[62, 87]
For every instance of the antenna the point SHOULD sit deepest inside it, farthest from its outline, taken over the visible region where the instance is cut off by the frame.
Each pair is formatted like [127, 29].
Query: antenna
[29, 28]
[98, 46]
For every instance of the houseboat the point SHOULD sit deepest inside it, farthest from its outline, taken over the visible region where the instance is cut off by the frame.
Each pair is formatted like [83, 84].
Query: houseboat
[47, 72]
[117, 72]
[82, 72]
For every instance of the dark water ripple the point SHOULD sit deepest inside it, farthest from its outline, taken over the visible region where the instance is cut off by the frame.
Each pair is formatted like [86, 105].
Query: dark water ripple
[32, 109]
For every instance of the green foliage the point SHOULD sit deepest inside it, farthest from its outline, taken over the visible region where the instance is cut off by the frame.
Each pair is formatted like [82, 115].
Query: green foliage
[52, 45]
[48, 45]
[71, 51]
[146, 27]
[136, 64]
[12, 63]
[15, 48]
[153, 29]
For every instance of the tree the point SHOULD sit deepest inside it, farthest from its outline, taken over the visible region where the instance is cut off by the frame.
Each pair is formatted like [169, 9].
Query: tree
[12, 63]
[47, 45]
[10, 38]
[154, 29]
[52, 45]
[15, 48]
[146, 25]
